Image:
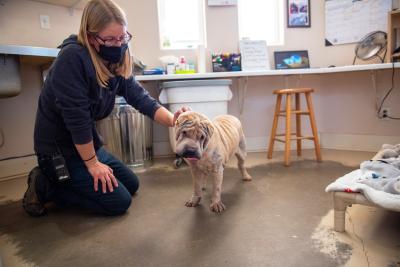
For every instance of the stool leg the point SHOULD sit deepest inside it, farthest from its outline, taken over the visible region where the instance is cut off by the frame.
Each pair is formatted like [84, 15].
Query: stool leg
[274, 125]
[298, 125]
[314, 127]
[288, 129]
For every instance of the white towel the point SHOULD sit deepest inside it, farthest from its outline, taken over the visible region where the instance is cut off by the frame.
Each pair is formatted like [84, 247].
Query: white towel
[377, 180]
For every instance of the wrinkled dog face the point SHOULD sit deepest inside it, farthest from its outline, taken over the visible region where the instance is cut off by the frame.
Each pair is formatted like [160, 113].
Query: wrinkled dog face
[193, 131]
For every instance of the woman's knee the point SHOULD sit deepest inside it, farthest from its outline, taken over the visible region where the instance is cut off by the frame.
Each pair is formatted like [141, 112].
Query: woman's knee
[123, 174]
[120, 209]
[120, 205]
[130, 181]
[133, 186]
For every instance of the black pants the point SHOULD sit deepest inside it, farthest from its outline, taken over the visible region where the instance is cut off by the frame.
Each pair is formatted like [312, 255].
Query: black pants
[79, 190]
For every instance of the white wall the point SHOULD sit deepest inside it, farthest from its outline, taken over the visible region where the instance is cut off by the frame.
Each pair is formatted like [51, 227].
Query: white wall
[222, 35]
[19, 24]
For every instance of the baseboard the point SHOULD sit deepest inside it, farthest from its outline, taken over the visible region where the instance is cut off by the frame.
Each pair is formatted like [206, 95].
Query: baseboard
[18, 167]
[253, 144]
[13, 168]
[370, 143]
[352, 142]
[259, 144]
[162, 149]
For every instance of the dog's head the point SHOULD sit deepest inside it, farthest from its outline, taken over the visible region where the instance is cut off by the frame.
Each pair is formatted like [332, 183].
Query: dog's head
[193, 132]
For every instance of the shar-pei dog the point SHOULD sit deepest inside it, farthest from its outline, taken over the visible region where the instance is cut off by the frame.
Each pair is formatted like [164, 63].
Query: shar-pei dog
[207, 146]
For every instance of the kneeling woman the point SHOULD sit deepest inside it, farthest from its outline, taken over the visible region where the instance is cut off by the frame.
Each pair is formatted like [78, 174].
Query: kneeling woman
[90, 70]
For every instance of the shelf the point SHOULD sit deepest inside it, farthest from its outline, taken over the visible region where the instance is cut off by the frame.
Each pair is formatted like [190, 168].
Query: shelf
[311, 71]
[395, 12]
[28, 50]
[392, 33]
[30, 54]
[78, 4]
[396, 55]
[71, 5]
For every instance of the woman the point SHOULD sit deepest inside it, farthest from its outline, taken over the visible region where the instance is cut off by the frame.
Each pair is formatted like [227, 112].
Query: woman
[90, 70]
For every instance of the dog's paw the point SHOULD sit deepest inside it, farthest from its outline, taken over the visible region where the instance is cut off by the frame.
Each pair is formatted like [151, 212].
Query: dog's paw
[247, 178]
[217, 206]
[193, 202]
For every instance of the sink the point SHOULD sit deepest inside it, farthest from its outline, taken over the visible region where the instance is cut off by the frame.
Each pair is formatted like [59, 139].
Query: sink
[10, 79]
[11, 56]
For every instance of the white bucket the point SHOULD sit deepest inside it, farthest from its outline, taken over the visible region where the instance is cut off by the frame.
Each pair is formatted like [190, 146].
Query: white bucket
[209, 97]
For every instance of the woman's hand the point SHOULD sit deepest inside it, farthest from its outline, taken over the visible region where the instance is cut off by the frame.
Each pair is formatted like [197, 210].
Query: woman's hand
[103, 173]
[165, 117]
[179, 112]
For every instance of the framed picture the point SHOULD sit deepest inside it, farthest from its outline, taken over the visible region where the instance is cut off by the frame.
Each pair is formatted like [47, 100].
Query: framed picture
[291, 60]
[298, 13]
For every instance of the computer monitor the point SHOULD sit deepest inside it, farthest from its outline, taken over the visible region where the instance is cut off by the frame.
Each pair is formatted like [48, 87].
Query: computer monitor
[291, 59]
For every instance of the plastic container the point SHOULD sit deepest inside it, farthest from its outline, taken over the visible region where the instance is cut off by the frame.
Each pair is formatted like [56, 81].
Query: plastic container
[182, 65]
[209, 97]
[127, 134]
[201, 59]
[171, 68]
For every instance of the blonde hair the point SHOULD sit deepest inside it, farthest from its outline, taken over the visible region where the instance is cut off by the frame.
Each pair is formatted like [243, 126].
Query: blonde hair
[97, 14]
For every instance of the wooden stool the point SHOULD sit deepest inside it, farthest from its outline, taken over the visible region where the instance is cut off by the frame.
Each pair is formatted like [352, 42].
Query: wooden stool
[288, 113]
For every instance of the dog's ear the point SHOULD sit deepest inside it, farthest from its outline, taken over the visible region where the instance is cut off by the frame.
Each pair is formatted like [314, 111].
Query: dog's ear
[178, 130]
[208, 131]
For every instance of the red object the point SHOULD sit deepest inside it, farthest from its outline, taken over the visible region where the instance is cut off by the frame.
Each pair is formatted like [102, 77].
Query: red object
[182, 60]
[348, 190]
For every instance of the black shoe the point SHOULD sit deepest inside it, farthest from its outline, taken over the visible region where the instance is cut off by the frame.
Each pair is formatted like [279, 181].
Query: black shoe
[33, 202]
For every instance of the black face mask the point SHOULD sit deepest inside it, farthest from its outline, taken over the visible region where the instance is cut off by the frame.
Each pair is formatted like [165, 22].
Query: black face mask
[112, 54]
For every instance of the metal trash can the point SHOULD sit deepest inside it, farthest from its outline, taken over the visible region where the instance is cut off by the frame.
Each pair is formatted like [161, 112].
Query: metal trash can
[127, 134]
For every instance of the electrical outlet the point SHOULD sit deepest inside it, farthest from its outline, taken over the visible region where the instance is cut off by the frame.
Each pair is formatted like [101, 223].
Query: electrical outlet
[385, 113]
[45, 21]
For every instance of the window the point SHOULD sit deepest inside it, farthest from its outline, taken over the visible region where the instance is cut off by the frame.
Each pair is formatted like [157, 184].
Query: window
[181, 23]
[261, 20]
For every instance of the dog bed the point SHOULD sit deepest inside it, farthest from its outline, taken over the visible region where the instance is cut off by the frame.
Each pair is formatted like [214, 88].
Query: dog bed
[376, 183]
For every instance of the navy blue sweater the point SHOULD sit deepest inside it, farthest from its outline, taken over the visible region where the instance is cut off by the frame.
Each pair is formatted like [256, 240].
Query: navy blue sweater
[71, 101]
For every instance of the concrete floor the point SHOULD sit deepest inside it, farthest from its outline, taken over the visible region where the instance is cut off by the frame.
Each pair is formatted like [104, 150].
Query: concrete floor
[282, 218]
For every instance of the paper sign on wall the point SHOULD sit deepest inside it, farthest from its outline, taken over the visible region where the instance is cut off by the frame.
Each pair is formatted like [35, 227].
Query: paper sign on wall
[254, 55]
[347, 21]
[222, 2]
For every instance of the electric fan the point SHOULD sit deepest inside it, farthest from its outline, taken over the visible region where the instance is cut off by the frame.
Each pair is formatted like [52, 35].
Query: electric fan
[371, 46]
